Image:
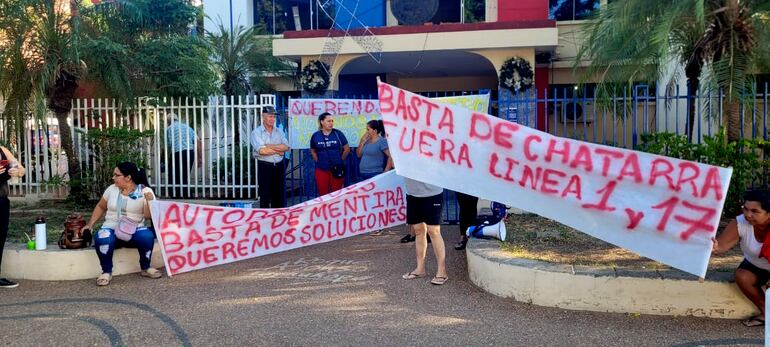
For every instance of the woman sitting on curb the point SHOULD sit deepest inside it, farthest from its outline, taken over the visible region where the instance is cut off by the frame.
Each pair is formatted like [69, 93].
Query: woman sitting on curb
[126, 208]
[750, 229]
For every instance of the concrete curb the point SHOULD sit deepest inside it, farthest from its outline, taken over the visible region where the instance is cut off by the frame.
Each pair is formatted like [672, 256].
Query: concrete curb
[54, 264]
[577, 287]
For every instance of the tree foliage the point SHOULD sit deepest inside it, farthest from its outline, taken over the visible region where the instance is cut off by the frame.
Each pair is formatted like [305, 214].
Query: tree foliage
[244, 61]
[132, 47]
[727, 41]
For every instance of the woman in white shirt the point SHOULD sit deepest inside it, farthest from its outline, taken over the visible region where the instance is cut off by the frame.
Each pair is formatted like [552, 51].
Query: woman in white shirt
[750, 230]
[125, 206]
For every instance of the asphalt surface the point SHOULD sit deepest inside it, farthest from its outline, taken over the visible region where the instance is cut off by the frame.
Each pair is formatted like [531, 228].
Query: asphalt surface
[343, 293]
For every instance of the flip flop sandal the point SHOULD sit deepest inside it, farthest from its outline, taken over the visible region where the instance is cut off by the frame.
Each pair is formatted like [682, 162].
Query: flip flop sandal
[411, 276]
[439, 280]
[103, 279]
[755, 321]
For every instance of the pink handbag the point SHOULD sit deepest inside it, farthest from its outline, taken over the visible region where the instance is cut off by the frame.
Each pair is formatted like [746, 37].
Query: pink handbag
[126, 228]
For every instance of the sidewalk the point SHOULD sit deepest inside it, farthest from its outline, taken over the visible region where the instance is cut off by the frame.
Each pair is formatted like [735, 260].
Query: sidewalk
[343, 293]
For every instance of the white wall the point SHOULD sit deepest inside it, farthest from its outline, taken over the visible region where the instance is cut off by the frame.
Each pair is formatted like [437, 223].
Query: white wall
[672, 116]
[219, 10]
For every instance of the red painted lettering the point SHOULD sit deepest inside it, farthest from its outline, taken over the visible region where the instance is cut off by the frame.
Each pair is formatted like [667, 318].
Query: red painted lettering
[605, 192]
[527, 149]
[532, 177]
[633, 218]
[228, 249]
[668, 209]
[172, 242]
[447, 120]
[582, 158]
[446, 151]
[631, 168]
[194, 238]
[504, 134]
[607, 156]
[548, 183]
[574, 187]
[564, 151]
[665, 172]
[712, 182]
[694, 171]
[209, 254]
[401, 144]
[424, 145]
[401, 107]
[702, 224]
[386, 97]
[414, 109]
[480, 120]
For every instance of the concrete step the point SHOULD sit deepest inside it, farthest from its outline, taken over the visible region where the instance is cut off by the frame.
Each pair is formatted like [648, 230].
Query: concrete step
[574, 287]
[54, 264]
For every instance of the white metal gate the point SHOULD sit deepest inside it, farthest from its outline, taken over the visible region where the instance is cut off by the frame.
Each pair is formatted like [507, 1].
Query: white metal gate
[223, 168]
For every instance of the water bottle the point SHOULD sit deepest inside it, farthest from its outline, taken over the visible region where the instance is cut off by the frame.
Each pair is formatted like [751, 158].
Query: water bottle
[40, 234]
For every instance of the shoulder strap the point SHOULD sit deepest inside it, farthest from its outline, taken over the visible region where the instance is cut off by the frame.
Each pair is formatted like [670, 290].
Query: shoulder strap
[338, 138]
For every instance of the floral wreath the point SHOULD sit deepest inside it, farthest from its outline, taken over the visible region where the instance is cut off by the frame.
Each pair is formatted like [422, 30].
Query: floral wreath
[314, 77]
[516, 75]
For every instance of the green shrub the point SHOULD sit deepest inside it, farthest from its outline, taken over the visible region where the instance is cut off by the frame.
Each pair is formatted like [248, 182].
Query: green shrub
[110, 147]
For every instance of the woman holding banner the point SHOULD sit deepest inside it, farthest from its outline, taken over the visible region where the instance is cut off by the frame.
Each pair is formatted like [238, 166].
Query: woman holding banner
[329, 148]
[373, 151]
[126, 208]
[751, 230]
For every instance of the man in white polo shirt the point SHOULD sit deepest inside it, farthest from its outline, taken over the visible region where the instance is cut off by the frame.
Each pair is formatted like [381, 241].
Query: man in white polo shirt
[269, 144]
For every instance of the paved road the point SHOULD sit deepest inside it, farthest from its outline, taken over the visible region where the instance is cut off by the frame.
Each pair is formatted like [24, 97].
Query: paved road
[344, 293]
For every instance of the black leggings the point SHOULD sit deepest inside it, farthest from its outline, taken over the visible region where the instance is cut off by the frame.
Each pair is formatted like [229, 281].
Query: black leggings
[467, 205]
[5, 212]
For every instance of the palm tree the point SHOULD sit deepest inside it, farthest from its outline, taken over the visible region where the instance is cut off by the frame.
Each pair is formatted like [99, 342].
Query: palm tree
[41, 63]
[634, 40]
[229, 57]
[244, 61]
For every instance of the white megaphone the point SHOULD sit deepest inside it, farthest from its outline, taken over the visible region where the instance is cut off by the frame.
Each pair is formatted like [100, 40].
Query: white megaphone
[487, 230]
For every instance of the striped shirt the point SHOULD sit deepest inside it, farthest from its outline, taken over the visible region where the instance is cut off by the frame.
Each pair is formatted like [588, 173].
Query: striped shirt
[180, 137]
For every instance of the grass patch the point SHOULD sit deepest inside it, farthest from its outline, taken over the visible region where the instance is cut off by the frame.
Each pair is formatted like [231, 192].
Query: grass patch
[534, 237]
[23, 217]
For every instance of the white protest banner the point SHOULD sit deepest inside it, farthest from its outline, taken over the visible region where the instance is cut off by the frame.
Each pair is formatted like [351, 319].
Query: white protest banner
[351, 115]
[198, 236]
[662, 208]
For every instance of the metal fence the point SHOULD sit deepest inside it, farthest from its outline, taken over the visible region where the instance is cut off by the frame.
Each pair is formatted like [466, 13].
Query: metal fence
[225, 168]
[621, 120]
[36, 147]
